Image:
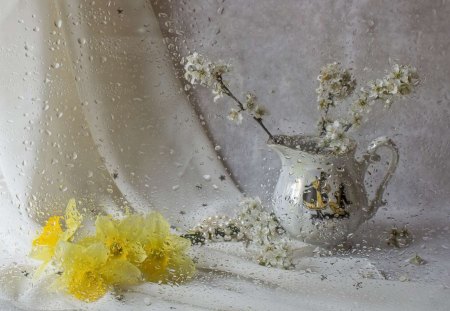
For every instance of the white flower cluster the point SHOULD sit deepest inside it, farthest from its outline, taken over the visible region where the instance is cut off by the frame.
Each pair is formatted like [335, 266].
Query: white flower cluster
[400, 81]
[276, 254]
[265, 235]
[260, 226]
[261, 231]
[217, 228]
[199, 70]
[335, 138]
[335, 83]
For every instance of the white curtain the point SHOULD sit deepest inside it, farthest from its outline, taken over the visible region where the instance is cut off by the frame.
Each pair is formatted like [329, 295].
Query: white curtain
[91, 109]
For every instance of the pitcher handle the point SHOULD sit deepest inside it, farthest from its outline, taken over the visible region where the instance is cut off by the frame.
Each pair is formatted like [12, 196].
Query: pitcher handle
[372, 156]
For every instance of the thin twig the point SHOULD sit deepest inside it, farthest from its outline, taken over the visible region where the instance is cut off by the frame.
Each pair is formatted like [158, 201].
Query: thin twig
[241, 106]
[348, 126]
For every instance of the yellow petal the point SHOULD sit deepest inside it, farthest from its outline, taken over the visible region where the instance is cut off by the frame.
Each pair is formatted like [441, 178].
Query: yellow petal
[154, 267]
[44, 245]
[121, 272]
[43, 253]
[89, 240]
[155, 230]
[86, 285]
[181, 268]
[50, 233]
[137, 253]
[180, 265]
[72, 219]
[130, 227]
[97, 253]
[155, 224]
[105, 227]
[176, 243]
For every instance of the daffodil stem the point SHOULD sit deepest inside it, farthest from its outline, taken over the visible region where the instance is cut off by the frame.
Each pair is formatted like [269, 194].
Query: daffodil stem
[241, 106]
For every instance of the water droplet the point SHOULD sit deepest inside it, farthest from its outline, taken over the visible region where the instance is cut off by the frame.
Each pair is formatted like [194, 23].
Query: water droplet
[147, 301]
[207, 177]
[58, 23]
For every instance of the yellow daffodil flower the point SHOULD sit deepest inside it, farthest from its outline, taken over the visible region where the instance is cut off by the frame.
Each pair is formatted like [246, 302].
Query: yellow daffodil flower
[45, 244]
[166, 260]
[88, 273]
[121, 237]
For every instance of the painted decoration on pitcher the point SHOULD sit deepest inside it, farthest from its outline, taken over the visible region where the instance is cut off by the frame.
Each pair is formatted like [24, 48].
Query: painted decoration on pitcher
[316, 197]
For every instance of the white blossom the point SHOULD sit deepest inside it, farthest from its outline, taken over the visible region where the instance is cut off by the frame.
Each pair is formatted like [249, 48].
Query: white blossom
[199, 70]
[335, 138]
[259, 112]
[235, 116]
[250, 101]
[334, 83]
[218, 91]
[324, 102]
[362, 102]
[377, 89]
[404, 78]
[220, 68]
[356, 117]
[335, 131]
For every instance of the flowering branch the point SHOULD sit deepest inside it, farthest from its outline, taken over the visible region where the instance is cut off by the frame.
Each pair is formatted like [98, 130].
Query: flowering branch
[335, 85]
[259, 230]
[198, 70]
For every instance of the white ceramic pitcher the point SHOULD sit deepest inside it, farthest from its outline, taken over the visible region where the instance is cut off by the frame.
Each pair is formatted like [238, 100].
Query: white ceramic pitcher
[320, 197]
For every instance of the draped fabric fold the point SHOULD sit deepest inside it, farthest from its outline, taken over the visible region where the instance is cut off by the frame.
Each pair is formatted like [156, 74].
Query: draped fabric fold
[91, 109]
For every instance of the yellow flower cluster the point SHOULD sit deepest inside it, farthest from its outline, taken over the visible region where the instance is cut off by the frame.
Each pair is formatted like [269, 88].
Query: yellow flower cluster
[121, 252]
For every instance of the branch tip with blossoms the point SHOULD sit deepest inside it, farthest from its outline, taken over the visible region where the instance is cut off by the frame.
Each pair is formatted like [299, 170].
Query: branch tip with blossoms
[337, 84]
[199, 70]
